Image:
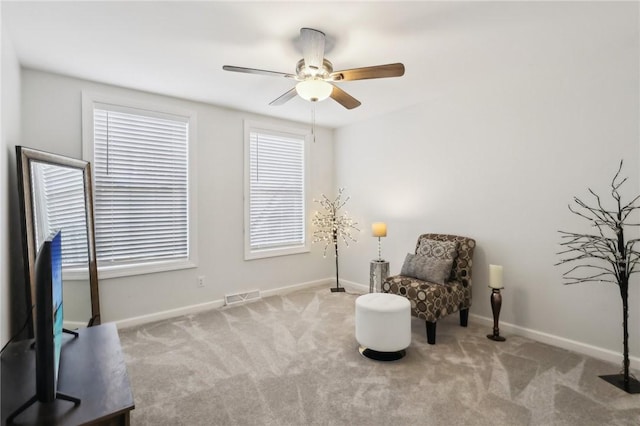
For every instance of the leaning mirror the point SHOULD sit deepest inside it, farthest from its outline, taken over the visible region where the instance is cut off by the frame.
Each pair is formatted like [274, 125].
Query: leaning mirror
[56, 194]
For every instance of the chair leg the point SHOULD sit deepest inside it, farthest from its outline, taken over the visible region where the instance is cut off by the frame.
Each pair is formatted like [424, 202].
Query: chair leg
[431, 333]
[464, 317]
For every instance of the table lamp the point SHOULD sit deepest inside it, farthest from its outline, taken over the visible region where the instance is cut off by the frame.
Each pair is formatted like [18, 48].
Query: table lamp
[379, 229]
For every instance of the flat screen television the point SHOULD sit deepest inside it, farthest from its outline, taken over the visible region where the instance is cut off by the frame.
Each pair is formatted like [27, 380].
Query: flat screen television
[48, 324]
[49, 316]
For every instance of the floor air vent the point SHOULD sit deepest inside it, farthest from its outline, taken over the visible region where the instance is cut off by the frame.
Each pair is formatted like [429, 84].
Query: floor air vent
[232, 299]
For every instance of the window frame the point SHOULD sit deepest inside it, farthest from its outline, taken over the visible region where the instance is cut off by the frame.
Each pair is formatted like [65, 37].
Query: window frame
[290, 131]
[123, 269]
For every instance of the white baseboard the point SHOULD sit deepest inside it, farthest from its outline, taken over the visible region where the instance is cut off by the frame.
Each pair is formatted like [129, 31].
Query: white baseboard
[294, 287]
[193, 309]
[171, 313]
[353, 286]
[561, 342]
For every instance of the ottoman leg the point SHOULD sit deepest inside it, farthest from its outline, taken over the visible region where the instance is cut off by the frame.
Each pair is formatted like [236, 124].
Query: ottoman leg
[382, 356]
[431, 333]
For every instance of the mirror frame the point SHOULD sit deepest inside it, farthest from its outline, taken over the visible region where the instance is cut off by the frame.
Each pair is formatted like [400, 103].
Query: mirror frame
[24, 157]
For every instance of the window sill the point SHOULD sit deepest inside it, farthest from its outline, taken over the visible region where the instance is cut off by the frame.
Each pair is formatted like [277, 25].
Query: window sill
[107, 272]
[275, 252]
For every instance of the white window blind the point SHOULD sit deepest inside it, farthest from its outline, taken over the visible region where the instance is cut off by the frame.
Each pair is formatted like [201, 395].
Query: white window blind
[276, 190]
[140, 162]
[61, 191]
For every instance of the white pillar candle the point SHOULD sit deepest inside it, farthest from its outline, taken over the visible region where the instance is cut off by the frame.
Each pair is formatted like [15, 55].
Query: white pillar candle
[379, 229]
[495, 276]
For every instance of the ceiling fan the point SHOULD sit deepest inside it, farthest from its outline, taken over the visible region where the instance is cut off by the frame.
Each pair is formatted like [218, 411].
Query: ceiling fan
[315, 74]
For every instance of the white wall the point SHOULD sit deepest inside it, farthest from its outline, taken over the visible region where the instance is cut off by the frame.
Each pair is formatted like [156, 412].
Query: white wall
[496, 153]
[11, 316]
[51, 120]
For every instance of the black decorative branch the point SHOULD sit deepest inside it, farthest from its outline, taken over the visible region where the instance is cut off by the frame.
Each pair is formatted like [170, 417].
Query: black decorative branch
[615, 259]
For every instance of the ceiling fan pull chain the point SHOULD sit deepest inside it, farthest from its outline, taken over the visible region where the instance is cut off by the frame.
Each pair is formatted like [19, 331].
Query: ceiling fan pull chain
[108, 125]
[257, 157]
[313, 121]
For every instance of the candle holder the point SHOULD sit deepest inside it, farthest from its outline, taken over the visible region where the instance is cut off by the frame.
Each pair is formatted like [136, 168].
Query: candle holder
[496, 304]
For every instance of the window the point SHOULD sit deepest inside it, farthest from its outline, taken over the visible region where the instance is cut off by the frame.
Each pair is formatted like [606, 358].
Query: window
[142, 186]
[60, 205]
[275, 191]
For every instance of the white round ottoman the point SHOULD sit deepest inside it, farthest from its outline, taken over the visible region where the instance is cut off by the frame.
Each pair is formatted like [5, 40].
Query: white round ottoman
[383, 325]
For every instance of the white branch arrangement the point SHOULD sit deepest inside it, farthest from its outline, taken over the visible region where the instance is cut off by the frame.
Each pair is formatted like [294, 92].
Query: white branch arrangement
[615, 259]
[331, 226]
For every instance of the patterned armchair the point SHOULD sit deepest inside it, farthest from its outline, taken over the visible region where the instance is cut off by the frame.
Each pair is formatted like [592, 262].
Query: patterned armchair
[431, 301]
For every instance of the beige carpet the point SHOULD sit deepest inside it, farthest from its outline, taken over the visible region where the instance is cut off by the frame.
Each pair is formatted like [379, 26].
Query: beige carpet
[293, 360]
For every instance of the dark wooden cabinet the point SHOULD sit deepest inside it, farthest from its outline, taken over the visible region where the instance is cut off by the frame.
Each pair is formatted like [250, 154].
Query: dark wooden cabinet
[92, 368]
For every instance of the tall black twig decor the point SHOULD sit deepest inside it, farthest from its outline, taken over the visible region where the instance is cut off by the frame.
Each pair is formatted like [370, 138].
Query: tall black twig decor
[332, 226]
[615, 259]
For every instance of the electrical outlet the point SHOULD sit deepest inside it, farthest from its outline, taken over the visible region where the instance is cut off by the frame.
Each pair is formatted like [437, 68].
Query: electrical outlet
[201, 281]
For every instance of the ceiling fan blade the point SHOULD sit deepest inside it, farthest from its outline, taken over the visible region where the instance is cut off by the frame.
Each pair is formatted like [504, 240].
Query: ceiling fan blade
[378, 71]
[287, 96]
[257, 71]
[343, 98]
[312, 48]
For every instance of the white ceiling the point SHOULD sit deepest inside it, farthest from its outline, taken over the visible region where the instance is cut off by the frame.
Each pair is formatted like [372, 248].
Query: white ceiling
[179, 48]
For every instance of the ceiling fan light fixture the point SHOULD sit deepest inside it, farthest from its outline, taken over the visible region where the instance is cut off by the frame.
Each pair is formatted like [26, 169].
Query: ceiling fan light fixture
[314, 90]
[315, 75]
